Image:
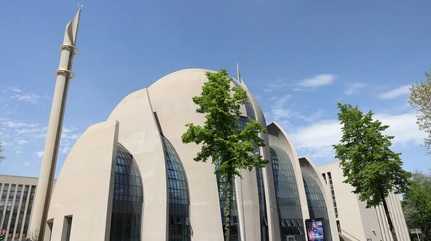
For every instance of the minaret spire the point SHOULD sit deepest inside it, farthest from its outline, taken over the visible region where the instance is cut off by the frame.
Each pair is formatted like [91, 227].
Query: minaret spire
[47, 169]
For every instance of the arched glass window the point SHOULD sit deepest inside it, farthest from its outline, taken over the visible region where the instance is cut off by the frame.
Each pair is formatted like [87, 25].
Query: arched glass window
[286, 189]
[128, 198]
[316, 202]
[179, 229]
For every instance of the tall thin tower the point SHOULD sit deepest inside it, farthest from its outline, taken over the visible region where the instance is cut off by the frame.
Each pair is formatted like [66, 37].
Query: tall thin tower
[47, 170]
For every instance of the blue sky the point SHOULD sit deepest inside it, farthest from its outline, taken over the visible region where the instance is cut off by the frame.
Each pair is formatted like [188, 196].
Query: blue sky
[299, 57]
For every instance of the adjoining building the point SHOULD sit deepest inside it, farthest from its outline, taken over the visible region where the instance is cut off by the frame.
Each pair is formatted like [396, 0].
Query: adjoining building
[16, 198]
[354, 220]
[132, 178]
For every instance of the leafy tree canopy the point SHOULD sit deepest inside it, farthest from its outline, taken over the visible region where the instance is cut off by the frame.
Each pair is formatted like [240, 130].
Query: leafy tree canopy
[368, 163]
[417, 204]
[420, 98]
[223, 141]
[223, 138]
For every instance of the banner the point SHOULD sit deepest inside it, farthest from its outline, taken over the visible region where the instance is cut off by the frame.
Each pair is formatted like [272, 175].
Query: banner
[315, 229]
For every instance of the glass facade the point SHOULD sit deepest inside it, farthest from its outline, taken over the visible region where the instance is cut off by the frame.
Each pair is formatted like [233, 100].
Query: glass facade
[286, 189]
[179, 227]
[15, 207]
[128, 199]
[316, 202]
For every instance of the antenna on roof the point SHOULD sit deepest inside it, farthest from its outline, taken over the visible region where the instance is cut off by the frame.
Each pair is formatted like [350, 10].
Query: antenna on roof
[238, 74]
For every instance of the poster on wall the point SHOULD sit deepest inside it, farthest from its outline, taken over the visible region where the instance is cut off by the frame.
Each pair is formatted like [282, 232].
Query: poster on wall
[315, 229]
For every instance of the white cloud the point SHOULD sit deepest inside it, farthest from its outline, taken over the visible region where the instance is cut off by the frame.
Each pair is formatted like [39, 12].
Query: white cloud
[39, 154]
[395, 93]
[354, 88]
[279, 109]
[21, 142]
[21, 96]
[16, 135]
[403, 127]
[318, 80]
[317, 139]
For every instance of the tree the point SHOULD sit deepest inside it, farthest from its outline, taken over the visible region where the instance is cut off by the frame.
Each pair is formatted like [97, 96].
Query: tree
[229, 146]
[368, 163]
[417, 204]
[420, 99]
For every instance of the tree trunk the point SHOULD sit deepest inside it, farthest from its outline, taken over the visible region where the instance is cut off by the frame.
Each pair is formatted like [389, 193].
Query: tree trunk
[227, 206]
[388, 217]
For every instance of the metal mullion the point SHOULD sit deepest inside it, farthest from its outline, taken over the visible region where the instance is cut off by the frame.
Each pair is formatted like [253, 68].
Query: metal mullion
[1, 194]
[5, 207]
[25, 212]
[11, 212]
[18, 212]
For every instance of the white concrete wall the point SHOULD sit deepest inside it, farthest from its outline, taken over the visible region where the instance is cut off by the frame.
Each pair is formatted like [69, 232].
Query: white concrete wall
[359, 221]
[85, 186]
[349, 210]
[397, 217]
[372, 229]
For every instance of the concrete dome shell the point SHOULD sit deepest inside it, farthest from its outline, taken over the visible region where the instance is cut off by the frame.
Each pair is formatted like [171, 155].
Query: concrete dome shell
[181, 82]
[170, 98]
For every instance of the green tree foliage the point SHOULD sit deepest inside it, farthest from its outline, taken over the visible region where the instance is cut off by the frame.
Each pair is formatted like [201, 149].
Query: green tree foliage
[417, 204]
[420, 99]
[368, 163]
[230, 147]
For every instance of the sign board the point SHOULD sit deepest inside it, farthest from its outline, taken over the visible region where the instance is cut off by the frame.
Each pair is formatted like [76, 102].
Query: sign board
[315, 229]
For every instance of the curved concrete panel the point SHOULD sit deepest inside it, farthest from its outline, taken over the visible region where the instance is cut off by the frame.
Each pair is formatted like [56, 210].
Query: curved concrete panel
[308, 166]
[278, 138]
[171, 99]
[84, 187]
[140, 135]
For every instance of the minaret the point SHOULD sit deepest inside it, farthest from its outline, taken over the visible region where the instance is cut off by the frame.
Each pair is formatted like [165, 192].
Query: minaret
[47, 169]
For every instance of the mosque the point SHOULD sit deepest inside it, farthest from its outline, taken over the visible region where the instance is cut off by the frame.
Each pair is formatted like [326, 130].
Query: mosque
[131, 178]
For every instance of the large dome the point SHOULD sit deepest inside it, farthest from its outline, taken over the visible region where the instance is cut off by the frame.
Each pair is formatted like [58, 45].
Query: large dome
[178, 198]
